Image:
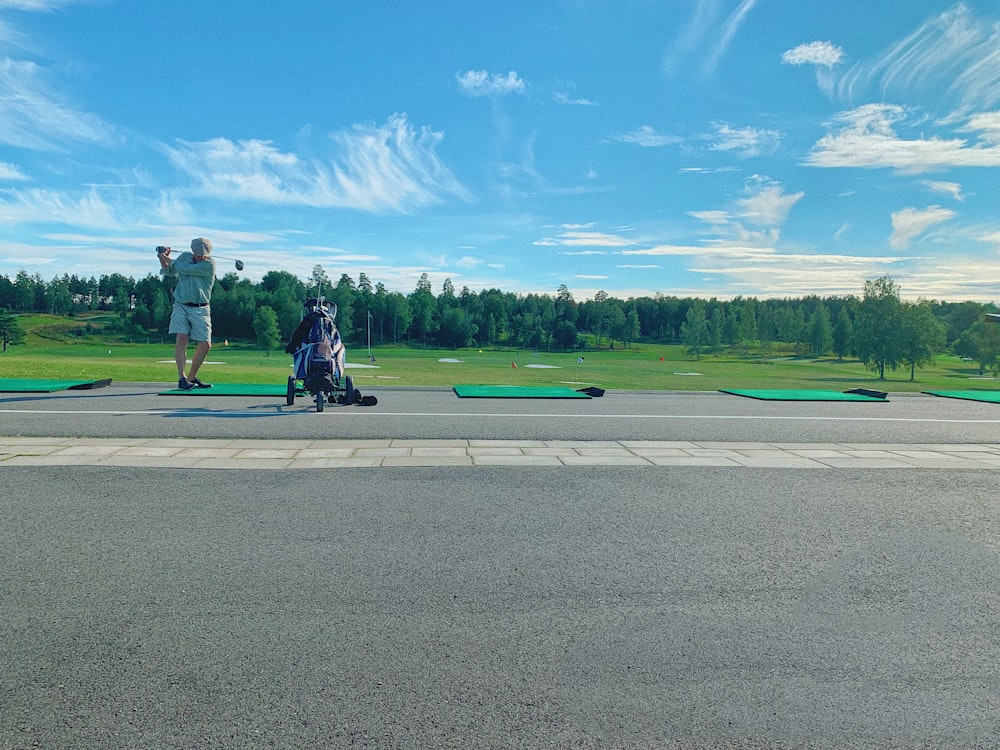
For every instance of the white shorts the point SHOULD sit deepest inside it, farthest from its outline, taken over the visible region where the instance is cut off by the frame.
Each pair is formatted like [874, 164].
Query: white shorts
[196, 322]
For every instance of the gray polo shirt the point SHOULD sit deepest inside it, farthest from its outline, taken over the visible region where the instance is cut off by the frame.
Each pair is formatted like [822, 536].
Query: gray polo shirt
[194, 280]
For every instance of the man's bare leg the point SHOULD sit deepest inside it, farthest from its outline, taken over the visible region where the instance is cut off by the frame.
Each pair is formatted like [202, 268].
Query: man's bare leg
[180, 353]
[200, 352]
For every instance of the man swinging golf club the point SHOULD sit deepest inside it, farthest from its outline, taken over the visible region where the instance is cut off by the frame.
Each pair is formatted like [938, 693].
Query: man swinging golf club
[191, 318]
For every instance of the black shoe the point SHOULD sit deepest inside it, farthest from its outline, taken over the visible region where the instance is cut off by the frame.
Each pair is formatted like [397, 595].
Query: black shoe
[184, 384]
[198, 384]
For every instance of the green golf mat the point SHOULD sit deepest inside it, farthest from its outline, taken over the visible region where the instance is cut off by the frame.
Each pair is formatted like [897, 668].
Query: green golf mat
[793, 395]
[991, 397]
[233, 389]
[27, 385]
[516, 391]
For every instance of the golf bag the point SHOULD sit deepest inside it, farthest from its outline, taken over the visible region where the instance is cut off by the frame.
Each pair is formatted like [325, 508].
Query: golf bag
[316, 348]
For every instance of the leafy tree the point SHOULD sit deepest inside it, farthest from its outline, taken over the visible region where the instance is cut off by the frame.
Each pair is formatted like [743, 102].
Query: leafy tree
[6, 293]
[265, 326]
[747, 324]
[283, 293]
[565, 335]
[10, 330]
[921, 335]
[632, 326]
[981, 343]
[397, 309]
[343, 296]
[957, 316]
[616, 322]
[716, 328]
[456, 328]
[319, 282]
[843, 333]
[60, 298]
[878, 326]
[24, 292]
[422, 306]
[364, 303]
[599, 315]
[695, 328]
[820, 331]
[566, 308]
[789, 324]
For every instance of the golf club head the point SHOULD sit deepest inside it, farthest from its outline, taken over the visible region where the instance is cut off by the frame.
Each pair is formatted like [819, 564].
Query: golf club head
[992, 317]
[239, 265]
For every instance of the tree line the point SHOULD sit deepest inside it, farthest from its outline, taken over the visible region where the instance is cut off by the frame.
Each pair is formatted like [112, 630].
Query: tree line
[877, 327]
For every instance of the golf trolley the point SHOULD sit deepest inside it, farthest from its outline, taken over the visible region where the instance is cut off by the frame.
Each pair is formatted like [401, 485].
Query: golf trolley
[318, 358]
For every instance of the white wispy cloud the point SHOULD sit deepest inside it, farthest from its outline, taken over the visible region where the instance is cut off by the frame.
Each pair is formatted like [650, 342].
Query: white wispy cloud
[39, 205]
[11, 172]
[561, 97]
[647, 137]
[866, 137]
[955, 49]
[577, 238]
[745, 142]
[392, 167]
[729, 31]
[35, 5]
[908, 223]
[824, 54]
[34, 116]
[768, 205]
[986, 124]
[707, 170]
[712, 216]
[952, 189]
[484, 83]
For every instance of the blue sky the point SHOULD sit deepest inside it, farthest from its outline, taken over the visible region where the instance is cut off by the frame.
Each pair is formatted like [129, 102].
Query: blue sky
[684, 147]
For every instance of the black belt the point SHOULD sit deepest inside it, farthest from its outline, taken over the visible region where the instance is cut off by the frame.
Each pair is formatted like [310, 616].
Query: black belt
[195, 304]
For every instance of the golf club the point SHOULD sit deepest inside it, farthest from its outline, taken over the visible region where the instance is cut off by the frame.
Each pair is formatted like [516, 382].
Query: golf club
[239, 263]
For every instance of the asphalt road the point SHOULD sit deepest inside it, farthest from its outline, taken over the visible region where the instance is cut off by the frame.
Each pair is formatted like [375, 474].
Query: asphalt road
[135, 410]
[482, 607]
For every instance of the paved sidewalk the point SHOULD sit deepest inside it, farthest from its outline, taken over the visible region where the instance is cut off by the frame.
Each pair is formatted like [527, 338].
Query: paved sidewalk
[339, 454]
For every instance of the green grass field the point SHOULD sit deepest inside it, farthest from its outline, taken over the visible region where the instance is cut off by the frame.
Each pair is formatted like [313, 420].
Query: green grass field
[642, 367]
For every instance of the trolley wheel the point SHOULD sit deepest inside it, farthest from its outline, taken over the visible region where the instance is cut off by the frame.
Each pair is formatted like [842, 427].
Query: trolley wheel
[320, 400]
[290, 395]
[349, 390]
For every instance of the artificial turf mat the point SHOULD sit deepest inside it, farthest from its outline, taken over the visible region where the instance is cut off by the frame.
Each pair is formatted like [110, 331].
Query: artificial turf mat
[805, 395]
[27, 385]
[233, 389]
[991, 397]
[516, 391]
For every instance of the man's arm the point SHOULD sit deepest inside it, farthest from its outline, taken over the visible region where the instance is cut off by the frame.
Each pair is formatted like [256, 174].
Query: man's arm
[163, 255]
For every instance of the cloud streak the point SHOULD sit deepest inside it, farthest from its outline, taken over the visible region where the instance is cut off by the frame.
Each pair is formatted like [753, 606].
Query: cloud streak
[33, 117]
[954, 48]
[478, 83]
[912, 222]
[648, 137]
[823, 54]
[391, 167]
[867, 137]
